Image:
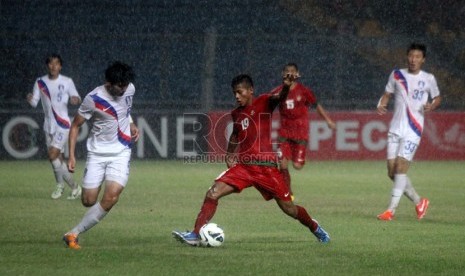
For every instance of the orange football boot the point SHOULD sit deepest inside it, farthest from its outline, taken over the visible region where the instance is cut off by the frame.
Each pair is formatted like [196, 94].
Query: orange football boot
[71, 241]
[387, 215]
[422, 207]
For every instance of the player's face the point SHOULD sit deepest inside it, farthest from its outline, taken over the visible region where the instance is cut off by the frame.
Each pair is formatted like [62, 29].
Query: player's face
[116, 90]
[243, 94]
[54, 68]
[291, 70]
[415, 61]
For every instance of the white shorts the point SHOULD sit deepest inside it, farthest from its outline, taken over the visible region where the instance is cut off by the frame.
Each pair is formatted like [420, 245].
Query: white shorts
[404, 147]
[58, 139]
[101, 168]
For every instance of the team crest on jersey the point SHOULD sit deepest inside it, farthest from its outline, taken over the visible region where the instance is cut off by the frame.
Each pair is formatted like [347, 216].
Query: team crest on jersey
[421, 84]
[252, 112]
[299, 98]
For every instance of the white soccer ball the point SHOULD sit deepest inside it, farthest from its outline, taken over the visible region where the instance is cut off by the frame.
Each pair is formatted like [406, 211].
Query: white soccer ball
[211, 235]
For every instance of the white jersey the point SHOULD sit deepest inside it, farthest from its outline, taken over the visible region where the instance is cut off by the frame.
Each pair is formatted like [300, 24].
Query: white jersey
[411, 94]
[54, 95]
[110, 132]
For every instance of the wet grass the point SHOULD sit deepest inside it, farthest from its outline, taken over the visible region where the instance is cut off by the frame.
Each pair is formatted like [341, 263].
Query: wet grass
[135, 239]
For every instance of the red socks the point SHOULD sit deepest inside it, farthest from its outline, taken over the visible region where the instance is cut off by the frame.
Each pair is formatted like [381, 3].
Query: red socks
[305, 219]
[209, 208]
[206, 213]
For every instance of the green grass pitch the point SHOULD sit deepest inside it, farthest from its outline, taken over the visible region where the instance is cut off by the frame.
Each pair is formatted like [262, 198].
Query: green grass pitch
[135, 238]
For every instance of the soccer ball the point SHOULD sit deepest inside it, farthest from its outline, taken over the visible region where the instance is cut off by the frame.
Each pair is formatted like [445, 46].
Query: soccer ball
[211, 235]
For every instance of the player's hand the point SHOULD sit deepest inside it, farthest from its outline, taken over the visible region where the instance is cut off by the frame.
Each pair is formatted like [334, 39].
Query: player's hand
[230, 161]
[428, 107]
[29, 97]
[382, 109]
[331, 125]
[289, 79]
[71, 164]
[134, 132]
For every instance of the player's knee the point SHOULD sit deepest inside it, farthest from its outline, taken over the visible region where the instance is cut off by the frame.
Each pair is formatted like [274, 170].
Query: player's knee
[293, 211]
[401, 165]
[53, 153]
[87, 202]
[288, 208]
[111, 199]
[108, 202]
[213, 192]
[391, 172]
[218, 190]
[283, 164]
[298, 166]
[287, 211]
[391, 175]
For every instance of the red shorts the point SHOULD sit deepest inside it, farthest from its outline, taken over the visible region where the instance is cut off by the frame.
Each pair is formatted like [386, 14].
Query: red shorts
[268, 180]
[293, 150]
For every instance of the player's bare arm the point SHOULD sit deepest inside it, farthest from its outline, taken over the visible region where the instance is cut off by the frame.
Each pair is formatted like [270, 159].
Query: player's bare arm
[73, 133]
[322, 112]
[383, 103]
[74, 100]
[428, 107]
[288, 80]
[134, 132]
[30, 100]
[230, 152]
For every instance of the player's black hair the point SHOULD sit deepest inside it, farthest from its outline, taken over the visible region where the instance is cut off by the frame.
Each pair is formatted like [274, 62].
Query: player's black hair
[417, 46]
[119, 73]
[52, 56]
[242, 78]
[291, 64]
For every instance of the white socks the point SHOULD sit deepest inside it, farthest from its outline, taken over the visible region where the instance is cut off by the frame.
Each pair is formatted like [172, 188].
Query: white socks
[68, 177]
[93, 216]
[61, 173]
[58, 171]
[410, 192]
[400, 182]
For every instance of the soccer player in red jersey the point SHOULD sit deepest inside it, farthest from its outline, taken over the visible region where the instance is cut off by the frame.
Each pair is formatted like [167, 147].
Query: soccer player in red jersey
[251, 160]
[294, 122]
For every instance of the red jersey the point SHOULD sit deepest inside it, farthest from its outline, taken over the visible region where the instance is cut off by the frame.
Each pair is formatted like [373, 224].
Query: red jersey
[252, 125]
[294, 112]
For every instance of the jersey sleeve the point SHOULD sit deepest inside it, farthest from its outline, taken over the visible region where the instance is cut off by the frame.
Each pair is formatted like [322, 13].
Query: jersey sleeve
[35, 94]
[391, 84]
[87, 107]
[434, 92]
[276, 90]
[234, 117]
[131, 88]
[72, 89]
[268, 98]
[310, 98]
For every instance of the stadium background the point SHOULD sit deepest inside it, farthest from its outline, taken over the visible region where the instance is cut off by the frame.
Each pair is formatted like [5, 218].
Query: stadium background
[185, 52]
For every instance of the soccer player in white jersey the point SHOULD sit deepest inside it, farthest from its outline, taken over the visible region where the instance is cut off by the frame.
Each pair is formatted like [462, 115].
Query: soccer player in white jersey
[108, 107]
[415, 93]
[54, 91]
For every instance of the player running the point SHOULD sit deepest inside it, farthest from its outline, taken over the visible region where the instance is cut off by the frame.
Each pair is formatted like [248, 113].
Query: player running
[294, 123]
[108, 107]
[55, 91]
[251, 160]
[411, 88]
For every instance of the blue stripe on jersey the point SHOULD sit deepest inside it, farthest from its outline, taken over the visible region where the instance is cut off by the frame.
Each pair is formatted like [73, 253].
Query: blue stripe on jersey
[413, 123]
